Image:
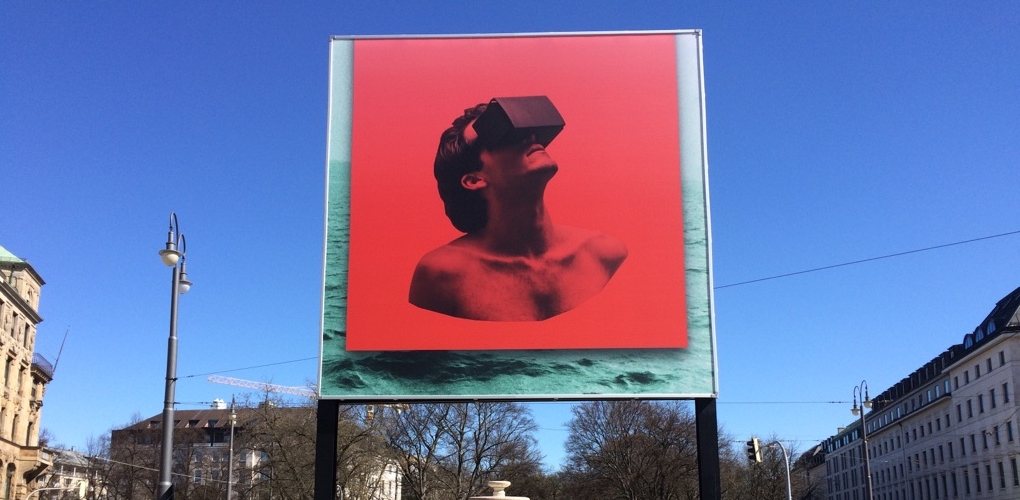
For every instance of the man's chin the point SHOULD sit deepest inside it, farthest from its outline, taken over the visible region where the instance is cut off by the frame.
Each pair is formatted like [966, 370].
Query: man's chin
[548, 169]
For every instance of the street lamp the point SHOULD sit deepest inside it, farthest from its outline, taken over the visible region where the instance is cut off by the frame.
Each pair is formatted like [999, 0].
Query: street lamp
[179, 284]
[230, 454]
[862, 391]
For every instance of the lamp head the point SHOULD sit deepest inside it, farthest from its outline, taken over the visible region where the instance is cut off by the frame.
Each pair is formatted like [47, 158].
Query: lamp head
[183, 285]
[855, 410]
[170, 255]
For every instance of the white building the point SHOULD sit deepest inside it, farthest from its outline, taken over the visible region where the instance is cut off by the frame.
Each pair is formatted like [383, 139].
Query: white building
[72, 472]
[947, 431]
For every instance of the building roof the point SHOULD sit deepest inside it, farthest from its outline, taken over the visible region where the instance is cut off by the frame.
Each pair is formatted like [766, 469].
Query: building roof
[206, 418]
[1005, 314]
[7, 256]
[10, 261]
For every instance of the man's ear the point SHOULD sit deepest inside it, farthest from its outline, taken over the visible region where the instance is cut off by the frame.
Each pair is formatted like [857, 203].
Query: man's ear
[472, 181]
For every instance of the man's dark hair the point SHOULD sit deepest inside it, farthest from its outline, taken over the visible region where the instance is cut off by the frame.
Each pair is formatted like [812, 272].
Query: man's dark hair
[466, 209]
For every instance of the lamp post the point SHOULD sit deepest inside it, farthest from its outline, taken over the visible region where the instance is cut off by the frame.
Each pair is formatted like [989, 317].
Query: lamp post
[230, 454]
[179, 284]
[862, 391]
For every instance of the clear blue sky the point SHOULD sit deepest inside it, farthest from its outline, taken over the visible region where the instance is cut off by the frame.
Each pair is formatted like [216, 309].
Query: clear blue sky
[836, 132]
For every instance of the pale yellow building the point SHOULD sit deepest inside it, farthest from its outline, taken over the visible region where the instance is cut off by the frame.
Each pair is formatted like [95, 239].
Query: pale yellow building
[24, 378]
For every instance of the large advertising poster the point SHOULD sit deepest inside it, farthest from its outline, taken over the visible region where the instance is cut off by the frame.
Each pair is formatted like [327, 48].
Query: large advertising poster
[517, 217]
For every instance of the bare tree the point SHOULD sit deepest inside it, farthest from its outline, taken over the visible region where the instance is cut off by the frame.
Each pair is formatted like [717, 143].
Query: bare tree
[632, 450]
[281, 443]
[132, 464]
[767, 480]
[450, 451]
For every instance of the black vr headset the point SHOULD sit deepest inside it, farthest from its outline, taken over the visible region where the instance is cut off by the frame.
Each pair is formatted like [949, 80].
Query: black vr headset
[511, 120]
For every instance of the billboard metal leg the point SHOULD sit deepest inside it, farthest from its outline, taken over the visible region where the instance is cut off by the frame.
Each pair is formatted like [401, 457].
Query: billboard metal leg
[326, 429]
[709, 482]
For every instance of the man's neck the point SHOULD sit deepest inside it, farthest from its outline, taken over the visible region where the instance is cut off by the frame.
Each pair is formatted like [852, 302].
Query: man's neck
[525, 230]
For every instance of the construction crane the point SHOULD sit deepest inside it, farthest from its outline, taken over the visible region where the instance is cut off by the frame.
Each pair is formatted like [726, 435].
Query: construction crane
[263, 386]
[370, 410]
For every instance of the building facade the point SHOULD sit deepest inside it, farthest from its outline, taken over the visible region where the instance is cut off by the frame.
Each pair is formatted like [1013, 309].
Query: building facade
[24, 379]
[947, 431]
[201, 455]
[70, 476]
[266, 457]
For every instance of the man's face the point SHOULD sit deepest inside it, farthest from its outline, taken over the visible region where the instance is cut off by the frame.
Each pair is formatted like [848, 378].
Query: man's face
[512, 163]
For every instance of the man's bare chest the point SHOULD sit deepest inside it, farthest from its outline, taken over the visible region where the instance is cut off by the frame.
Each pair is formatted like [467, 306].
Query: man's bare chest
[522, 290]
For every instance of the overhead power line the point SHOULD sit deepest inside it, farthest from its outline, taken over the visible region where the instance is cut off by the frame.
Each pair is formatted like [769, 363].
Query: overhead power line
[783, 402]
[250, 367]
[870, 259]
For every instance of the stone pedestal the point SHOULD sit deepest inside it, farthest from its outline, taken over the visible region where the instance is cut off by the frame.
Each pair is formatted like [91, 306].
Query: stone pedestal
[499, 492]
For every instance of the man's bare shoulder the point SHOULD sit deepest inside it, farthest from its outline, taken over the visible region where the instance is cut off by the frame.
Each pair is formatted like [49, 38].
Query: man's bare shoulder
[437, 279]
[450, 258]
[609, 249]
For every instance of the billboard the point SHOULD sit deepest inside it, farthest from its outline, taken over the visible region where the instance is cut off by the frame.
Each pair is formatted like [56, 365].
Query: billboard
[517, 217]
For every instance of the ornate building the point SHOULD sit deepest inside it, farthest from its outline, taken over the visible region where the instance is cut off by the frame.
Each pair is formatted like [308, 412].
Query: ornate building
[25, 376]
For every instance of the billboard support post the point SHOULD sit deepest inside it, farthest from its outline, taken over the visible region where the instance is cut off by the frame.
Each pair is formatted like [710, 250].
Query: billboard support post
[326, 430]
[709, 483]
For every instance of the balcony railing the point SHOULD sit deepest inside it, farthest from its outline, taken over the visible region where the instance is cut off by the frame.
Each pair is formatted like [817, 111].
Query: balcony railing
[42, 364]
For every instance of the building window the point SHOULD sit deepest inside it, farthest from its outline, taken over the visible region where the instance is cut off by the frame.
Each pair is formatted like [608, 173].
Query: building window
[977, 479]
[977, 372]
[989, 364]
[959, 414]
[963, 449]
[973, 443]
[1009, 431]
[950, 450]
[1005, 392]
[1002, 358]
[1016, 472]
[988, 475]
[1002, 476]
[984, 440]
[981, 403]
[956, 383]
[9, 482]
[970, 409]
[966, 377]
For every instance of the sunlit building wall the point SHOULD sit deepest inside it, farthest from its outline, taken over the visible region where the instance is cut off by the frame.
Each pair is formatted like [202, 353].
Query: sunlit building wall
[24, 378]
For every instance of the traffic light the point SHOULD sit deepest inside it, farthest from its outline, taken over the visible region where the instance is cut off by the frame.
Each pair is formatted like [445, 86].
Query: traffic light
[754, 451]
